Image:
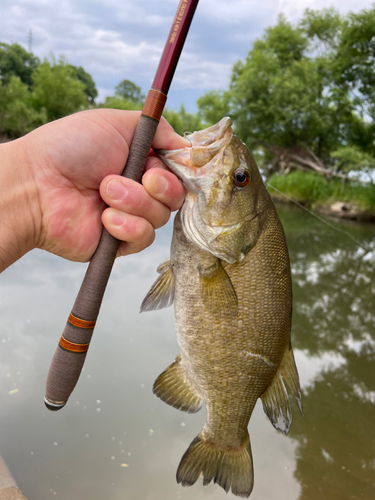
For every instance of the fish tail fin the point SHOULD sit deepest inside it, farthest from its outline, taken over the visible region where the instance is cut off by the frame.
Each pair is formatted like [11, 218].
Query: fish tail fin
[229, 468]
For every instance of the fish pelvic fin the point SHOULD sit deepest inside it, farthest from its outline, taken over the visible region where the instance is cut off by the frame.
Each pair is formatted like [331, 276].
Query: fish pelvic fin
[161, 293]
[275, 399]
[173, 388]
[229, 468]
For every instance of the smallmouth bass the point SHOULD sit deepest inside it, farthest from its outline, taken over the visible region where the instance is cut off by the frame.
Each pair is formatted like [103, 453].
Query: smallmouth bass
[229, 279]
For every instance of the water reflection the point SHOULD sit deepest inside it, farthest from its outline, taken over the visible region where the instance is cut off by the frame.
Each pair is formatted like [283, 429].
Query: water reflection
[333, 329]
[116, 440]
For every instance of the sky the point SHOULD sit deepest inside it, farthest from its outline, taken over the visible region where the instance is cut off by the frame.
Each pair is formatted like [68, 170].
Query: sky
[123, 39]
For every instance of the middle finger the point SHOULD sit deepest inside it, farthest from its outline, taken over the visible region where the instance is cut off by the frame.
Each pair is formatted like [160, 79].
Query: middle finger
[131, 197]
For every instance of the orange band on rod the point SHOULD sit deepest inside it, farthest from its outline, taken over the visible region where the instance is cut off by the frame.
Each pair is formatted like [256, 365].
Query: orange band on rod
[154, 104]
[81, 323]
[70, 346]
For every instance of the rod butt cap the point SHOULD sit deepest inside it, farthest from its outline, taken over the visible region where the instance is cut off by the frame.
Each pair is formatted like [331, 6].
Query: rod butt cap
[53, 405]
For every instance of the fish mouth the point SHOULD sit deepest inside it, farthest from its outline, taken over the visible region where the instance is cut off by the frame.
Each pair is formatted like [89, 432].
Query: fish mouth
[188, 163]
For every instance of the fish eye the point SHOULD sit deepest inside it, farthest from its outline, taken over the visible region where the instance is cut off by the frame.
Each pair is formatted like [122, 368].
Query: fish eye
[241, 177]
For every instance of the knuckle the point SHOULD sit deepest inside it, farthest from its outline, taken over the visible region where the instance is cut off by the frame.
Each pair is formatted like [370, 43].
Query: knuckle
[143, 231]
[163, 218]
[142, 201]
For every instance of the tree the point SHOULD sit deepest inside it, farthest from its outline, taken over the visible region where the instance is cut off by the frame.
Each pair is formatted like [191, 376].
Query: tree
[304, 91]
[354, 65]
[16, 61]
[57, 90]
[213, 106]
[17, 115]
[182, 121]
[119, 103]
[282, 96]
[129, 91]
[86, 79]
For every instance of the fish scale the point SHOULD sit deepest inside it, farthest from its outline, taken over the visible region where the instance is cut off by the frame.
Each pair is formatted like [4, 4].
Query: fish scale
[229, 277]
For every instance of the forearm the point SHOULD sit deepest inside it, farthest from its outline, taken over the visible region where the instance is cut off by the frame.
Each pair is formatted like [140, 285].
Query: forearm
[18, 203]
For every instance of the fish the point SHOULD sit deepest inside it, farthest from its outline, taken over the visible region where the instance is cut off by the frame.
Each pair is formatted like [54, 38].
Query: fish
[229, 278]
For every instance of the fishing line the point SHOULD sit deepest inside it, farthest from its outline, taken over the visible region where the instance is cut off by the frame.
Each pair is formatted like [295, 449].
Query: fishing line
[320, 218]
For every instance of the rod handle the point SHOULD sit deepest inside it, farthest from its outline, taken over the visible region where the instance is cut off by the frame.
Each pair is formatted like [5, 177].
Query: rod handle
[71, 351]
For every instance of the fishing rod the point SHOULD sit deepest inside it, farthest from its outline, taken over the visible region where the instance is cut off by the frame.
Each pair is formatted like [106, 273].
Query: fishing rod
[71, 351]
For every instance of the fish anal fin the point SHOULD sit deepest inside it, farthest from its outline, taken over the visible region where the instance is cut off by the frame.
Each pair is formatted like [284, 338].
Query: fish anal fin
[230, 469]
[275, 399]
[161, 293]
[217, 289]
[173, 388]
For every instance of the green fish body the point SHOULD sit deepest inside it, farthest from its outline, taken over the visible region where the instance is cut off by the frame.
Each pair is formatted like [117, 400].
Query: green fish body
[229, 279]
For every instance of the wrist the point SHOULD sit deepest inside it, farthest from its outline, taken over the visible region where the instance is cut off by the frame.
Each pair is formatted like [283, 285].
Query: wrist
[19, 205]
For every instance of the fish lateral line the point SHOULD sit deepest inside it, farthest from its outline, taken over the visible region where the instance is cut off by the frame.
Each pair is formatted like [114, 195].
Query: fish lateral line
[259, 356]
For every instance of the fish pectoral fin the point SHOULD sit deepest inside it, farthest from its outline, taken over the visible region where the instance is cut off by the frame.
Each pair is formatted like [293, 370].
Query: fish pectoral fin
[161, 293]
[217, 289]
[275, 399]
[173, 388]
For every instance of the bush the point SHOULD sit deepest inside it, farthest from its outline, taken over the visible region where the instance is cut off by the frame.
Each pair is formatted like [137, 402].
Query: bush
[312, 189]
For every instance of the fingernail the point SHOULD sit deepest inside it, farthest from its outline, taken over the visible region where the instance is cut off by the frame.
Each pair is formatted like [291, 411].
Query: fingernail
[116, 190]
[116, 218]
[160, 184]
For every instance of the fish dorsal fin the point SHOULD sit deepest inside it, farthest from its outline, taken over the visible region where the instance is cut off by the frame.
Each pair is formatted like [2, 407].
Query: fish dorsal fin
[275, 399]
[173, 388]
[217, 289]
[161, 293]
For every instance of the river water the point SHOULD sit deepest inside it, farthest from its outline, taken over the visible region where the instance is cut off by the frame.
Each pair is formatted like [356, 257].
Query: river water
[115, 440]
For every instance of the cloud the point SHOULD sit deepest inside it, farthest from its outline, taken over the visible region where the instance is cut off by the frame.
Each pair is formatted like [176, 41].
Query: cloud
[114, 40]
[293, 10]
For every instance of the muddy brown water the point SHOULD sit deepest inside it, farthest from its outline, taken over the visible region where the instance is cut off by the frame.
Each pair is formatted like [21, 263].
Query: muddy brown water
[115, 440]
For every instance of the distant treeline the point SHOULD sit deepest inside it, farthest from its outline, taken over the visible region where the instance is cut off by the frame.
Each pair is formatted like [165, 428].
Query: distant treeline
[304, 97]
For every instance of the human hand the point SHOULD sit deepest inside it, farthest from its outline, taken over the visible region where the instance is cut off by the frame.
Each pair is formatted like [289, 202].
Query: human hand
[61, 169]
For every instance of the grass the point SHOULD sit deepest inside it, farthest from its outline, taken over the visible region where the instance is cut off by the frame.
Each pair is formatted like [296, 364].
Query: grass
[312, 189]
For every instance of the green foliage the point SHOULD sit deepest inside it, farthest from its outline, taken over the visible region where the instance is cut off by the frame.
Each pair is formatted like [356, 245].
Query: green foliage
[32, 93]
[17, 116]
[307, 84]
[128, 96]
[213, 106]
[283, 42]
[130, 92]
[323, 28]
[16, 61]
[86, 79]
[182, 121]
[282, 96]
[356, 54]
[353, 158]
[57, 90]
[119, 103]
[312, 189]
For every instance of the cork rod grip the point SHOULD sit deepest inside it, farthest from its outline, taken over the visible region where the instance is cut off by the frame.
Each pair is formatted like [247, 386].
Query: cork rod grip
[71, 351]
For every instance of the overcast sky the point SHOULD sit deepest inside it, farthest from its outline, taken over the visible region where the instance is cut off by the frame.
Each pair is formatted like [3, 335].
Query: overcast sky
[118, 39]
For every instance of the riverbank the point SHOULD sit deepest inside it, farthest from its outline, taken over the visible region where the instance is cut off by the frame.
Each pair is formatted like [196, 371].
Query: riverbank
[8, 487]
[332, 198]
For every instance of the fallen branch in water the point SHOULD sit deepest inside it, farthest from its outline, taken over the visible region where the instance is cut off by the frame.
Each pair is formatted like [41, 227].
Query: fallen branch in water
[305, 160]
